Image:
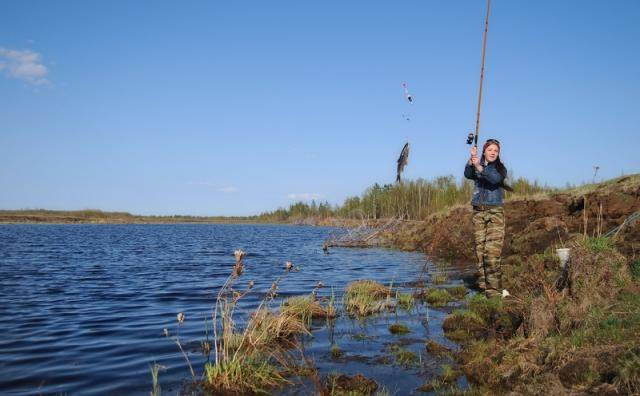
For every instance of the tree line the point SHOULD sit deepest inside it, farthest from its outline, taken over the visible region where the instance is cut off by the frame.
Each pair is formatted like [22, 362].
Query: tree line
[411, 199]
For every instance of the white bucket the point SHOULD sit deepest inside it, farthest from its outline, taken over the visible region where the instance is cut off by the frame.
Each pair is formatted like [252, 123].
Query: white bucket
[563, 255]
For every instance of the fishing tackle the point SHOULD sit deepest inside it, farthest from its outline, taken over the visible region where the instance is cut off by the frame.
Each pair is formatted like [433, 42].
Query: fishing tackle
[407, 95]
[484, 50]
[470, 138]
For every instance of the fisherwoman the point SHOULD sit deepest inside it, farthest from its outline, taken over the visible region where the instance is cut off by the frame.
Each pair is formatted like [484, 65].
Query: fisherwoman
[488, 173]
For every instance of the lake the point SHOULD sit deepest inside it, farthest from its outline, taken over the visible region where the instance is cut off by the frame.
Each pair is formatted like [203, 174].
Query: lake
[83, 307]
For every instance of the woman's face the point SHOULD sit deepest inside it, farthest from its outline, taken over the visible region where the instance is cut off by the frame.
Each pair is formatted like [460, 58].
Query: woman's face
[491, 152]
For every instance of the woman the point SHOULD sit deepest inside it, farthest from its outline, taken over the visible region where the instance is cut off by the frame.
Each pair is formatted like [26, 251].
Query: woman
[489, 173]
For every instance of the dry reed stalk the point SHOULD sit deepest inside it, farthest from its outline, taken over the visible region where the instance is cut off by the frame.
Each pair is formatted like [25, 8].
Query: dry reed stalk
[584, 215]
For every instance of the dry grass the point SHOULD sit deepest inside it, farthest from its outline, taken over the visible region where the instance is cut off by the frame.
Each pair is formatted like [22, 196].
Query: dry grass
[364, 297]
[584, 337]
[251, 360]
[307, 308]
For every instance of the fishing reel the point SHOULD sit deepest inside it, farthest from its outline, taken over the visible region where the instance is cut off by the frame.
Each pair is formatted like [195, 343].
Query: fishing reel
[470, 138]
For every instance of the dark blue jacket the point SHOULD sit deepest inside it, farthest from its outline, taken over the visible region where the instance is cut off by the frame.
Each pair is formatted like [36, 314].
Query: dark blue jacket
[488, 189]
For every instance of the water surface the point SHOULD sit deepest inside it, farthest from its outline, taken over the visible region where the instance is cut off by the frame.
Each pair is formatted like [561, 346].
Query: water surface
[83, 307]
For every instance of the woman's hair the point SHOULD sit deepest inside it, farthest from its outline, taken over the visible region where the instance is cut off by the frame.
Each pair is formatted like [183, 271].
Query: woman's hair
[499, 165]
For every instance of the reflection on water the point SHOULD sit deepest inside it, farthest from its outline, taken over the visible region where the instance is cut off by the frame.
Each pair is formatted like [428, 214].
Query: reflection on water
[83, 307]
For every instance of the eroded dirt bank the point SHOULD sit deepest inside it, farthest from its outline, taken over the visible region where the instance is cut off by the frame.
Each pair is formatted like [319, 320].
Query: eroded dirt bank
[573, 331]
[532, 224]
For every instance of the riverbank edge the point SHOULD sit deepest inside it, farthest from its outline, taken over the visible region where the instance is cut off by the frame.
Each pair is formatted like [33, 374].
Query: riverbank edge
[544, 337]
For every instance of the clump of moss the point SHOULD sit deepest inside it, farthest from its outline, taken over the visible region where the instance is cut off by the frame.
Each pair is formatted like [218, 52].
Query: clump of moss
[399, 328]
[464, 325]
[445, 383]
[336, 352]
[404, 357]
[365, 297]
[436, 349]
[342, 385]
[436, 297]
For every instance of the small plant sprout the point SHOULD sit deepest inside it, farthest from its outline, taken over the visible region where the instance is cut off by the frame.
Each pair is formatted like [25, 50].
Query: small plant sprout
[155, 371]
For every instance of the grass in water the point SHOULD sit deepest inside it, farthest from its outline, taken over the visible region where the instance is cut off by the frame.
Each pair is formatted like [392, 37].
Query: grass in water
[306, 308]
[436, 297]
[404, 357]
[251, 360]
[399, 328]
[247, 375]
[155, 371]
[336, 352]
[439, 279]
[365, 297]
[405, 300]
[458, 292]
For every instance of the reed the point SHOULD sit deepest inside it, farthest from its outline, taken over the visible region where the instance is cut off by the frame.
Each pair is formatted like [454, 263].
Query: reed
[250, 360]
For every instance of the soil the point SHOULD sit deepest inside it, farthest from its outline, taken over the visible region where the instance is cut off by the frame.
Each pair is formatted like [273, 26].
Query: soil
[528, 346]
[532, 224]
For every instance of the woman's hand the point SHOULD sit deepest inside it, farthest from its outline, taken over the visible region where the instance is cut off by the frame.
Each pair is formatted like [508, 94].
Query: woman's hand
[475, 160]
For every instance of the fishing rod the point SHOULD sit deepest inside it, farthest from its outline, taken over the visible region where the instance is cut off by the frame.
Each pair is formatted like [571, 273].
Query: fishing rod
[473, 138]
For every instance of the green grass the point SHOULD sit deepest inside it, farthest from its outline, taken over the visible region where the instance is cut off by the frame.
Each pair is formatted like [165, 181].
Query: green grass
[437, 297]
[405, 300]
[458, 292]
[244, 376]
[439, 279]
[404, 357]
[155, 371]
[599, 244]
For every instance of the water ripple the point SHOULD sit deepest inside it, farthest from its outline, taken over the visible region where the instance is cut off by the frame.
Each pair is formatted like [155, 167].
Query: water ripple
[83, 307]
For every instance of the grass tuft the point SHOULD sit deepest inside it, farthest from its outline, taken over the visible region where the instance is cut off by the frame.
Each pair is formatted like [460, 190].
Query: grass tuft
[439, 279]
[405, 300]
[365, 297]
[306, 308]
[436, 297]
[245, 376]
[599, 244]
[458, 292]
[399, 328]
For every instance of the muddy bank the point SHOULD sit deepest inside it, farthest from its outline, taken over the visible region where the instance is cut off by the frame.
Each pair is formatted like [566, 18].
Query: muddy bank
[533, 224]
[568, 331]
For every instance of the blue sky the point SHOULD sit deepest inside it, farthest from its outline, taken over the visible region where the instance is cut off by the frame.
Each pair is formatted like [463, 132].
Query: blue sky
[233, 108]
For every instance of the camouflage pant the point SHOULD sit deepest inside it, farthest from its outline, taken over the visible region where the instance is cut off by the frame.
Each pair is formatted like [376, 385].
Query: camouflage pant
[489, 234]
